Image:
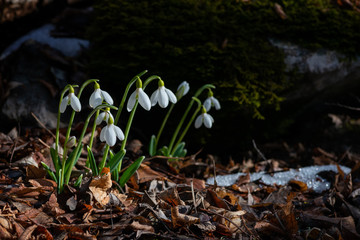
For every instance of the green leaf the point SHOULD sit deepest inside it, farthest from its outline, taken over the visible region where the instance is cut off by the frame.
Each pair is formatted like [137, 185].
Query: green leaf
[179, 149]
[130, 171]
[77, 156]
[183, 153]
[78, 181]
[164, 151]
[115, 160]
[152, 145]
[92, 161]
[55, 158]
[51, 173]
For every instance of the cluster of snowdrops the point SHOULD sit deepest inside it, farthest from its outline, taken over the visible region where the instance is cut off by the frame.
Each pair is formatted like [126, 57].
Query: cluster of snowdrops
[65, 157]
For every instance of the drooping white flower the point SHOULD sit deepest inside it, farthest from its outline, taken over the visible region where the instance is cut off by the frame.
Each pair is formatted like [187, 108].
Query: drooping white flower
[104, 116]
[110, 132]
[182, 90]
[71, 142]
[211, 101]
[139, 95]
[72, 100]
[162, 96]
[205, 118]
[98, 96]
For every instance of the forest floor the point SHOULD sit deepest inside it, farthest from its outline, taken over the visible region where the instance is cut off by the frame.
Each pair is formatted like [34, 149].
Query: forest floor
[171, 199]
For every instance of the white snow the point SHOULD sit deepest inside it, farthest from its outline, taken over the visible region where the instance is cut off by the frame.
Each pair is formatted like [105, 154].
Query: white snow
[308, 175]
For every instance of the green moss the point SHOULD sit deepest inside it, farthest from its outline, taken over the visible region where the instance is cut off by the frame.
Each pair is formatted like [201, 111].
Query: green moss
[211, 41]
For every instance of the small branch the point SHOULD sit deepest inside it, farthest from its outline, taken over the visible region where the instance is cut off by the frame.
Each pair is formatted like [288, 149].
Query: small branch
[258, 151]
[43, 125]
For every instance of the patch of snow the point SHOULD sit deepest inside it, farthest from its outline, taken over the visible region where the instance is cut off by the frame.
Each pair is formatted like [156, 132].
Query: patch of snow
[68, 46]
[308, 175]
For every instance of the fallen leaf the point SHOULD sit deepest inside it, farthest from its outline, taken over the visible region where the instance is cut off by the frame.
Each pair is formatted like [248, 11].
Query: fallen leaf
[100, 185]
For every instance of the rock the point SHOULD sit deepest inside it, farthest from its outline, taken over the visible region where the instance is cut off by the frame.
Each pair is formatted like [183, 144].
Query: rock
[32, 77]
[326, 72]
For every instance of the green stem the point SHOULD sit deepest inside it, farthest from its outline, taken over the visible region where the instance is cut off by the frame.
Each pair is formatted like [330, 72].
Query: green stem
[131, 117]
[58, 118]
[73, 112]
[122, 103]
[188, 125]
[103, 161]
[77, 149]
[198, 92]
[163, 124]
[92, 136]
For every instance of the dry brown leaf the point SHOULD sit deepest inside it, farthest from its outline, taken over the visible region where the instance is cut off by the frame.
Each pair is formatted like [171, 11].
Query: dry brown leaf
[100, 185]
[4, 234]
[198, 184]
[214, 200]
[179, 219]
[33, 172]
[146, 174]
[298, 185]
[136, 226]
[268, 229]
[171, 196]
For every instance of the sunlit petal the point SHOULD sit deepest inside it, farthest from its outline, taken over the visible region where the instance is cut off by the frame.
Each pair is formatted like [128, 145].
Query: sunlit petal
[207, 120]
[75, 103]
[100, 118]
[207, 104]
[163, 97]
[198, 121]
[64, 103]
[110, 135]
[107, 97]
[211, 118]
[102, 134]
[131, 101]
[119, 133]
[144, 100]
[95, 99]
[171, 95]
[216, 103]
[154, 97]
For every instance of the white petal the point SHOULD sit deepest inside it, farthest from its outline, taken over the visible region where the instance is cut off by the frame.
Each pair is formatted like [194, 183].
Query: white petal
[207, 104]
[171, 95]
[107, 97]
[95, 99]
[154, 97]
[211, 118]
[119, 133]
[107, 116]
[207, 120]
[75, 103]
[144, 100]
[64, 104]
[131, 101]
[187, 88]
[198, 121]
[102, 134]
[216, 103]
[163, 97]
[110, 135]
[100, 118]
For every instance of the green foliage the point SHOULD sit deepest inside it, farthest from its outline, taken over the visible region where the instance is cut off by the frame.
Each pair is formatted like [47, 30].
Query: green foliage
[222, 42]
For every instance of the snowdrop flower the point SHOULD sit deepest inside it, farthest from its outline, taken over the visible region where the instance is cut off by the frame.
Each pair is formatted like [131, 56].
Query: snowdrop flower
[211, 101]
[162, 96]
[205, 118]
[109, 133]
[72, 100]
[139, 95]
[104, 116]
[71, 142]
[98, 96]
[182, 90]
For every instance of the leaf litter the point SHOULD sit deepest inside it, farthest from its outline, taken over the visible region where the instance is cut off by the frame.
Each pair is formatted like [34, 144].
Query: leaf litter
[172, 199]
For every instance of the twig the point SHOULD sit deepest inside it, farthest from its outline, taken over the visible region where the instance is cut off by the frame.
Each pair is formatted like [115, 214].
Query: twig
[258, 151]
[43, 143]
[344, 106]
[42, 125]
[193, 194]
